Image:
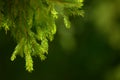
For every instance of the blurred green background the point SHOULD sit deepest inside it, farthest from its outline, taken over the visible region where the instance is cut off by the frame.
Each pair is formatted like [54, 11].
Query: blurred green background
[89, 50]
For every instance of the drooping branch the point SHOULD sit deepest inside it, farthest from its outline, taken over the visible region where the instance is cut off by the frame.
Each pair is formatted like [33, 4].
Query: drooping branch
[32, 24]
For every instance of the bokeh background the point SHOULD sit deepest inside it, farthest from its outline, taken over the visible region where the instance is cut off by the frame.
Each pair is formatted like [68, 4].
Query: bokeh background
[89, 50]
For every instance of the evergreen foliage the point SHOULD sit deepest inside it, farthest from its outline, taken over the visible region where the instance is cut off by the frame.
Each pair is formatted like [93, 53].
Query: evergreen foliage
[32, 24]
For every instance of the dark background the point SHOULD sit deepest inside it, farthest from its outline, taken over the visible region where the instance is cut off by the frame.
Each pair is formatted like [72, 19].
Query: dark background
[89, 50]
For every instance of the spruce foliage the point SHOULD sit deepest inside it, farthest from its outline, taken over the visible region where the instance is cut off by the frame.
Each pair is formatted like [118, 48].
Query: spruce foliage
[32, 24]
